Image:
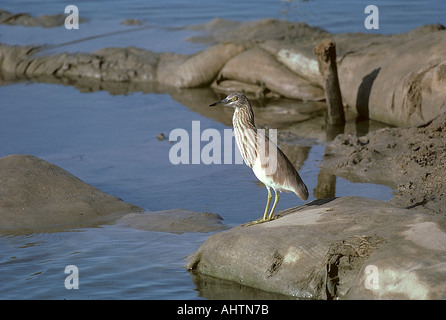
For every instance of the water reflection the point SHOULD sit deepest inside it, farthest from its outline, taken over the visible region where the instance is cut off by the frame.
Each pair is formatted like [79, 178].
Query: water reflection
[219, 289]
[326, 182]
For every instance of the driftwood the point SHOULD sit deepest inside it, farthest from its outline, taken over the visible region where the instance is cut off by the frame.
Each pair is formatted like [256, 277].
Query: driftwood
[326, 60]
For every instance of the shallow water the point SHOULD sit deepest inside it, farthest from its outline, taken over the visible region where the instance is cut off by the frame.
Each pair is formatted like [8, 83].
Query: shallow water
[110, 141]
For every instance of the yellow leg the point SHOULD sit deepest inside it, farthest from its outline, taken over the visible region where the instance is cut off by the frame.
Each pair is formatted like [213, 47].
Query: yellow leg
[265, 214]
[276, 200]
[267, 205]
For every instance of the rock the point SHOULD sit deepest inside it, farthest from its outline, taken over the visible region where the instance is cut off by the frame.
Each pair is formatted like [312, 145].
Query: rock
[399, 79]
[160, 136]
[109, 64]
[298, 57]
[326, 249]
[24, 19]
[256, 66]
[173, 221]
[37, 196]
[197, 70]
[133, 22]
[129, 64]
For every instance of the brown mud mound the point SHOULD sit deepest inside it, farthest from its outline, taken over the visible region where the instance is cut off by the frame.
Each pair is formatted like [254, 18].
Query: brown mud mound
[412, 160]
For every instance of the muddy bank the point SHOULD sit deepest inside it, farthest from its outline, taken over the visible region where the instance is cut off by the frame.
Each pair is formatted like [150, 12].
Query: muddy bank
[412, 160]
[396, 79]
[348, 248]
[37, 196]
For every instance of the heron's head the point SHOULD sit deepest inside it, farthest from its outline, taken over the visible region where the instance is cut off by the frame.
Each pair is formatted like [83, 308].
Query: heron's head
[234, 99]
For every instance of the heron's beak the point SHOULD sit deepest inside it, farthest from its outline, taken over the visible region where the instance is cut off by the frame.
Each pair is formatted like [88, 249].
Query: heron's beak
[224, 101]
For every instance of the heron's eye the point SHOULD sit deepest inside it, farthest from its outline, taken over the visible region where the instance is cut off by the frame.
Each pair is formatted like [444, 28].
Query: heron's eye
[234, 98]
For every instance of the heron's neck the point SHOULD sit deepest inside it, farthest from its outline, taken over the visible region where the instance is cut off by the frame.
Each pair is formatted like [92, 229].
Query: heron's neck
[243, 118]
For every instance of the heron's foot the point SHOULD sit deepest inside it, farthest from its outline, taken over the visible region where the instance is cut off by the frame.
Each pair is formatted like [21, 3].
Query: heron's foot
[261, 220]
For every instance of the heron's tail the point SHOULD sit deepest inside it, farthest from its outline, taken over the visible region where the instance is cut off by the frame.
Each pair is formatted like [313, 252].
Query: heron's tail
[301, 189]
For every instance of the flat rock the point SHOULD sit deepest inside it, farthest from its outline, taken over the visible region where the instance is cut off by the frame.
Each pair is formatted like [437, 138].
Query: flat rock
[348, 248]
[37, 196]
[256, 66]
[200, 69]
[173, 221]
[24, 19]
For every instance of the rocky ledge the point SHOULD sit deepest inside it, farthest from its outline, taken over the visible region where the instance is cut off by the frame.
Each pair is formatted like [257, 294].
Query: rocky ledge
[348, 248]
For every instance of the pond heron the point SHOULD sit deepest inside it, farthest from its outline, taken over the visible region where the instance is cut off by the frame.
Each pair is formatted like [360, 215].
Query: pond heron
[270, 165]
